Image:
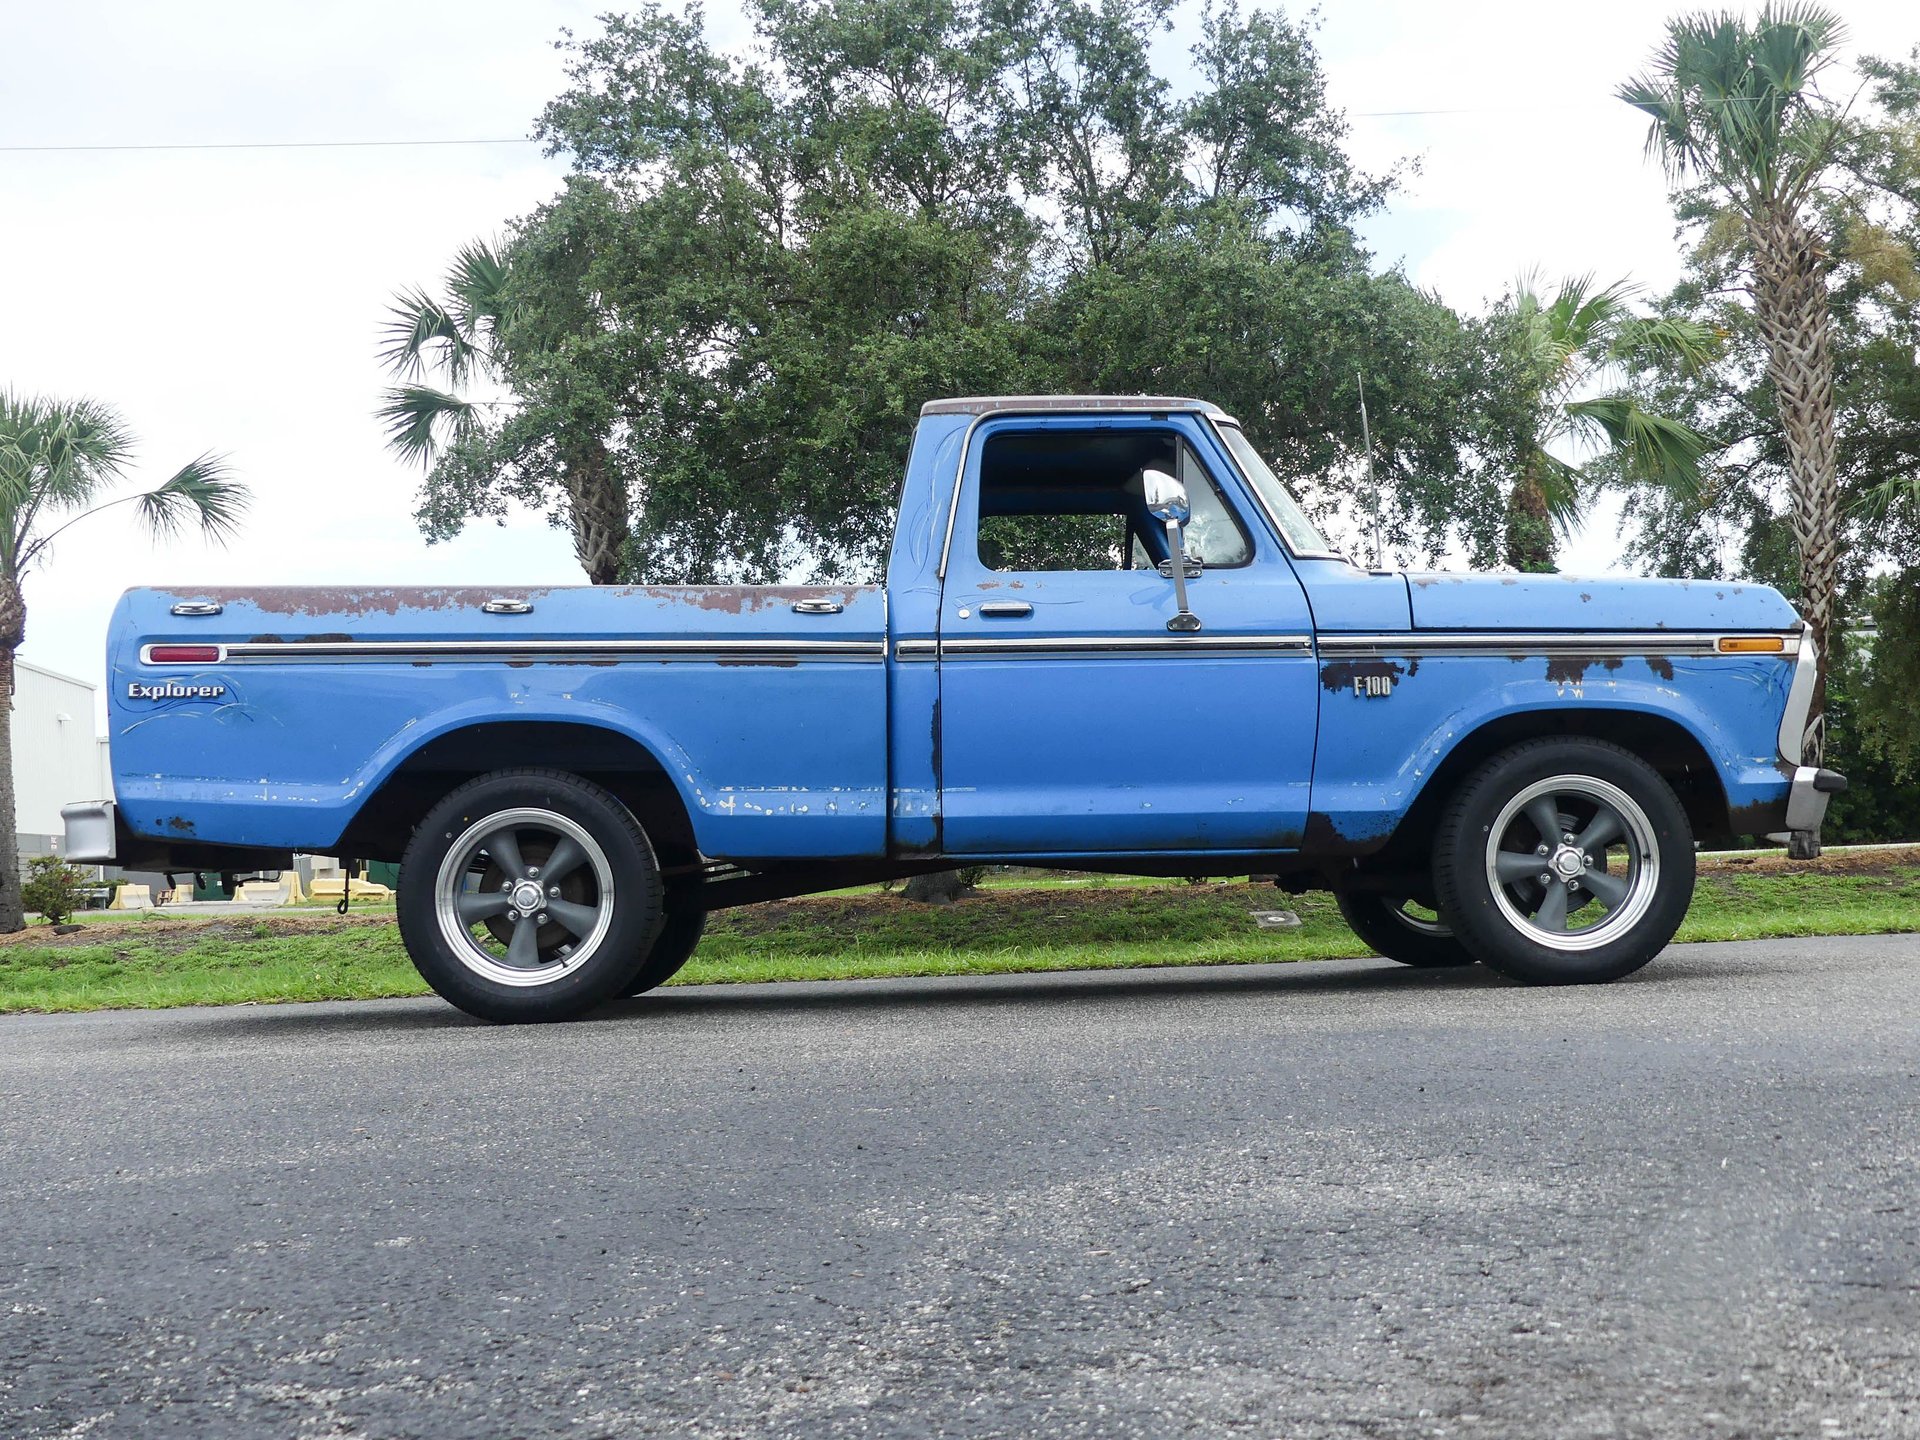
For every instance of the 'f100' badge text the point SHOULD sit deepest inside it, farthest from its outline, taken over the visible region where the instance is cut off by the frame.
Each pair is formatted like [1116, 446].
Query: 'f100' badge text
[173, 690]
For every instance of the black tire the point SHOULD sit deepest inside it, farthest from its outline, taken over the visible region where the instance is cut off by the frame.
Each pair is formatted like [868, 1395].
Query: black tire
[1383, 923]
[679, 937]
[503, 941]
[1540, 884]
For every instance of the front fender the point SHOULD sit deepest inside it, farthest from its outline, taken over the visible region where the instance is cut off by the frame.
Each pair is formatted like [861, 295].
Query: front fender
[1388, 723]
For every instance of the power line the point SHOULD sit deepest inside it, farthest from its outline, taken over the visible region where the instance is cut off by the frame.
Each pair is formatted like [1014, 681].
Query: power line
[261, 145]
[525, 140]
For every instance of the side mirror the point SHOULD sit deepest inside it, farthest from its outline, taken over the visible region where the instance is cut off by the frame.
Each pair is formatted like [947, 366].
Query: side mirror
[1167, 502]
[1166, 497]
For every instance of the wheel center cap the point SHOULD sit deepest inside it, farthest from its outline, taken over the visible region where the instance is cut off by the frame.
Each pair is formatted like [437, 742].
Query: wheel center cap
[1568, 863]
[526, 897]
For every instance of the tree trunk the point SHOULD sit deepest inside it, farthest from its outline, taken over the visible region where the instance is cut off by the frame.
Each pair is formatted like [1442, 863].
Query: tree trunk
[940, 887]
[1529, 532]
[1791, 309]
[13, 629]
[597, 508]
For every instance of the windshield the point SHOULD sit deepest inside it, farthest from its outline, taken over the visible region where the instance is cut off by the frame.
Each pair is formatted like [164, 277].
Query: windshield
[1300, 532]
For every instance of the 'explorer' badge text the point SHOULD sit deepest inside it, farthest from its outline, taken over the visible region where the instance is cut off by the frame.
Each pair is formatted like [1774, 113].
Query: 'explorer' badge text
[173, 690]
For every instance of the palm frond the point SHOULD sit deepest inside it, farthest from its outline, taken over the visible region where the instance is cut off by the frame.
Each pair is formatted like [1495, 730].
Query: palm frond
[1688, 343]
[1656, 449]
[1900, 491]
[477, 284]
[201, 494]
[421, 420]
[416, 321]
[1560, 488]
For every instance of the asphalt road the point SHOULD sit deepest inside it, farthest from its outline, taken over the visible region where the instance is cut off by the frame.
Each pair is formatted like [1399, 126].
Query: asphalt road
[1315, 1200]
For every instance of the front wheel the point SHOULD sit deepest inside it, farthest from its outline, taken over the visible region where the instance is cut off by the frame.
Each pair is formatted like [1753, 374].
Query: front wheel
[679, 937]
[528, 895]
[1564, 862]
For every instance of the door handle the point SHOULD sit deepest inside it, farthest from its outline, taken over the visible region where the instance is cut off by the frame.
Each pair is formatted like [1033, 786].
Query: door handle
[1004, 609]
[198, 607]
[817, 607]
[508, 607]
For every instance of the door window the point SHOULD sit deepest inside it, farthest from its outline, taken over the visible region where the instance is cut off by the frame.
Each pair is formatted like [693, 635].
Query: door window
[1074, 500]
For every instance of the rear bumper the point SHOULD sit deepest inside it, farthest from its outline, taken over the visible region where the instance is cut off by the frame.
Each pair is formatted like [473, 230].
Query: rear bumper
[97, 834]
[90, 832]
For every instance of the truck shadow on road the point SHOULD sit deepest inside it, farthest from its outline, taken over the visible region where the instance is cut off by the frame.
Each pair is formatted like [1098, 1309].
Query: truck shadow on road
[1305, 979]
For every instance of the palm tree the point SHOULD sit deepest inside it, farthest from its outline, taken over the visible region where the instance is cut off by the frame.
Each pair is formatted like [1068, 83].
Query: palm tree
[1736, 106]
[463, 336]
[59, 461]
[1577, 340]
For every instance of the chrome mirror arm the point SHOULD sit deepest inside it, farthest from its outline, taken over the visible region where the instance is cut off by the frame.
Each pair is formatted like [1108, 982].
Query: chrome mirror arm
[1167, 502]
[1186, 621]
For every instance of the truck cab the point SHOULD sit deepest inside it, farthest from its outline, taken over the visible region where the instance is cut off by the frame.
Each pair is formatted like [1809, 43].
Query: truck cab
[1108, 638]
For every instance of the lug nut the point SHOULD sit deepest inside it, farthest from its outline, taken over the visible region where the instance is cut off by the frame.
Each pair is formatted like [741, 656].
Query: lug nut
[554, 891]
[1545, 878]
[533, 870]
[543, 915]
[1539, 849]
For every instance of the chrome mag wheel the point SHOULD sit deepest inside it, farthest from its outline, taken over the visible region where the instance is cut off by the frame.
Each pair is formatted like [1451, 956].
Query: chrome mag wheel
[1573, 862]
[524, 897]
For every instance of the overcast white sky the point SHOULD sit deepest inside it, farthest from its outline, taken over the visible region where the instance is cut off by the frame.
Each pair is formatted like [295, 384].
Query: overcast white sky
[229, 300]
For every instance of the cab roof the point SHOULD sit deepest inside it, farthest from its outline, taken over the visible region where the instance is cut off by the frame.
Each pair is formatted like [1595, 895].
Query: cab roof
[1032, 404]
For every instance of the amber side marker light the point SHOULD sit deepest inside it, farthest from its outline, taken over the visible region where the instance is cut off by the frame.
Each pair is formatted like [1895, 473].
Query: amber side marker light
[183, 654]
[1751, 645]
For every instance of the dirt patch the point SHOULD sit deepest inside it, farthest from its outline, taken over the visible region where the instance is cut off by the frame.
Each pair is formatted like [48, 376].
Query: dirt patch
[182, 932]
[1853, 862]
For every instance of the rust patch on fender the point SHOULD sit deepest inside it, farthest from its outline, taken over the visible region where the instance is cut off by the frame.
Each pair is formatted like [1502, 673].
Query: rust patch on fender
[179, 824]
[1660, 665]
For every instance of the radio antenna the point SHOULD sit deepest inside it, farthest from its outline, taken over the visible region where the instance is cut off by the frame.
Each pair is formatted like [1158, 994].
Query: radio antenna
[1366, 440]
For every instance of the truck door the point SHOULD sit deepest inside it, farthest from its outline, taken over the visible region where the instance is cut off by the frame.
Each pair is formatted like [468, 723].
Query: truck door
[1072, 719]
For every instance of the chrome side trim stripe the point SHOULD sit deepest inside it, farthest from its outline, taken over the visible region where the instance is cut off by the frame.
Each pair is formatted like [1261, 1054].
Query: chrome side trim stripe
[585, 651]
[1529, 644]
[1084, 646]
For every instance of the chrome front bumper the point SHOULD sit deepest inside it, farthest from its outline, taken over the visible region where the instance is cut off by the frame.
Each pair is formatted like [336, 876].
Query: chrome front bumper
[90, 838]
[1807, 800]
[1812, 787]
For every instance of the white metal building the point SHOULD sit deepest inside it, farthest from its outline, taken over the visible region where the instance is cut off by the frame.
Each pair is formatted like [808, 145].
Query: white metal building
[57, 757]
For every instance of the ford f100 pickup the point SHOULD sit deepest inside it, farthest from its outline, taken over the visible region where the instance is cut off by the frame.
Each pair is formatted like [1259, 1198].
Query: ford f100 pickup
[1109, 639]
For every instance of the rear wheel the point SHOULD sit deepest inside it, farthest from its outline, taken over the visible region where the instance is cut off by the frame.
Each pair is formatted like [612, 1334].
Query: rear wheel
[1565, 861]
[679, 937]
[1400, 930]
[528, 895]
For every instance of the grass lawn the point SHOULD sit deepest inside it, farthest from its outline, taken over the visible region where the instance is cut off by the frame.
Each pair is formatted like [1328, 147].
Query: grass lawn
[156, 959]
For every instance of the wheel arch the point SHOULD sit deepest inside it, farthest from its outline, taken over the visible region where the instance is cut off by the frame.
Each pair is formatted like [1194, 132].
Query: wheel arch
[610, 758]
[1673, 750]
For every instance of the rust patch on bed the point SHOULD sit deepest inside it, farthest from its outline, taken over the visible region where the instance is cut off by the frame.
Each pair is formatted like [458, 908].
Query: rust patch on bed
[746, 599]
[366, 600]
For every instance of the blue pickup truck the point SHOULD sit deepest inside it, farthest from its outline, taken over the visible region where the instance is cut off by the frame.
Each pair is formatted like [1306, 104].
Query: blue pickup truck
[1109, 639]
